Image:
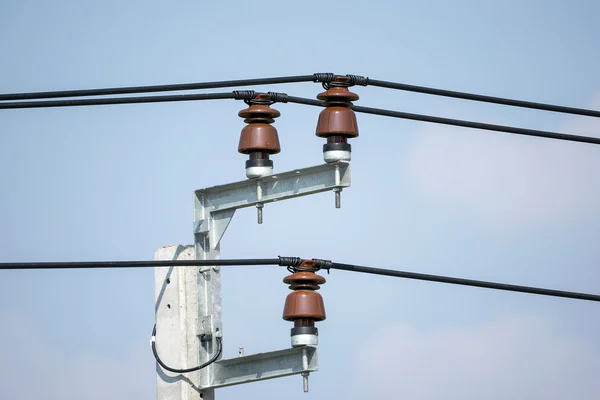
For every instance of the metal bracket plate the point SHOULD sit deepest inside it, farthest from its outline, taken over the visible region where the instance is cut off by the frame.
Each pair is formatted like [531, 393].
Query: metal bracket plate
[262, 366]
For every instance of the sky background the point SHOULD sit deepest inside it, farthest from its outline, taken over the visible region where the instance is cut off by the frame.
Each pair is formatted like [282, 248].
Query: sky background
[116, 183]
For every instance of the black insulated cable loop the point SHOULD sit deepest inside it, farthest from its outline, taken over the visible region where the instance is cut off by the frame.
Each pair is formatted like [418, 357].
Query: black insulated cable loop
[294, 264]
[325, 79]
[302, 268]
[257, 100]
[185, 370]
[249, 97]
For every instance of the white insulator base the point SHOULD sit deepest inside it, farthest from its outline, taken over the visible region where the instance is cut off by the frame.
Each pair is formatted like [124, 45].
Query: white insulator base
[258, 172]
[305, 340]
[333, 156]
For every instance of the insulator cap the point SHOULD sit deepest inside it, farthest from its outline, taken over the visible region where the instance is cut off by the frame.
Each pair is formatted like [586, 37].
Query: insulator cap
[304, 303]
[337, 119]
[259, 135]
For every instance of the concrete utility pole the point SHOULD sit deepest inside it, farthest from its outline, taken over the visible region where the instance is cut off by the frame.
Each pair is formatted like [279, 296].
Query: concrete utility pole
[188, 300]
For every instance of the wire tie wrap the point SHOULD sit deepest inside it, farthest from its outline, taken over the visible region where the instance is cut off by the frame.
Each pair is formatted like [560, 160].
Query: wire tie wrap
[358, 80]
[323, 264]
[246, 95]
[323, 77]
[292, 263]
[278, 97]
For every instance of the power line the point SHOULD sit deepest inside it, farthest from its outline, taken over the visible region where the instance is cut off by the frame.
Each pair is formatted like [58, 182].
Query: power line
[116, 100]
[483, 98]
[284, 98]
[319, 77]
[455, 122]
[139, 264]
[293, 264]
[325, 264]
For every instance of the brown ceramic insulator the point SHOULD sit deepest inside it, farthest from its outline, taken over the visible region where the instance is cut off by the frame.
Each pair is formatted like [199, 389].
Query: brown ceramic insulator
[259, 135]
[304, 305]
[337, 119]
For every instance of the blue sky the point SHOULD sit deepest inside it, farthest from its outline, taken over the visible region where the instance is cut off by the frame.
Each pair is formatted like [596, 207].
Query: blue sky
[116, 183]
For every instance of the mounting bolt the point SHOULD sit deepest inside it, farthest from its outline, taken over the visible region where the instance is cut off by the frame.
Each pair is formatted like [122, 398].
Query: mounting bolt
[259, 212]
[338, 197]
[305, 381]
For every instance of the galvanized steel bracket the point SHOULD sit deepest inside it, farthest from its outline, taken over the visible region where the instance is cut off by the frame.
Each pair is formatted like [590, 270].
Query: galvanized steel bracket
[214, 207]
[262, 366]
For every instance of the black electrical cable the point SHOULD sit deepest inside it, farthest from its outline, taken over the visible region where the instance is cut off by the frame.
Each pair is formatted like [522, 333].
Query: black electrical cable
[455, 122]
[483, 98]
[293, 263]
[282, 97]
[325, 264]
[117, 100]
[319, 77]
[139, 264]
[185, 370]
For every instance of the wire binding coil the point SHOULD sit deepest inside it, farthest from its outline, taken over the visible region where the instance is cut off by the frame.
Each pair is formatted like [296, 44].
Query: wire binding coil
[358, 80]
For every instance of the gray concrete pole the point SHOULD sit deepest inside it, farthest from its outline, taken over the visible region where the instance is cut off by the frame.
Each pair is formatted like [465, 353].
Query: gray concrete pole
[179, 315]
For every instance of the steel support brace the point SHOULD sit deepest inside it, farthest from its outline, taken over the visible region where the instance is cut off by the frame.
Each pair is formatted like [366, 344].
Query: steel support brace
[214, 207]
[262, 366]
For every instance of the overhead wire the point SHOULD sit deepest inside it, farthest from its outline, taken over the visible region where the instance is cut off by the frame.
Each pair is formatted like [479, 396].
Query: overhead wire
[294, 265]
[116, 100]
[284, 98]
[328, 265]
[483, 98]
[455, 122]
[138, 264]
[319, 77]
[316, 77]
